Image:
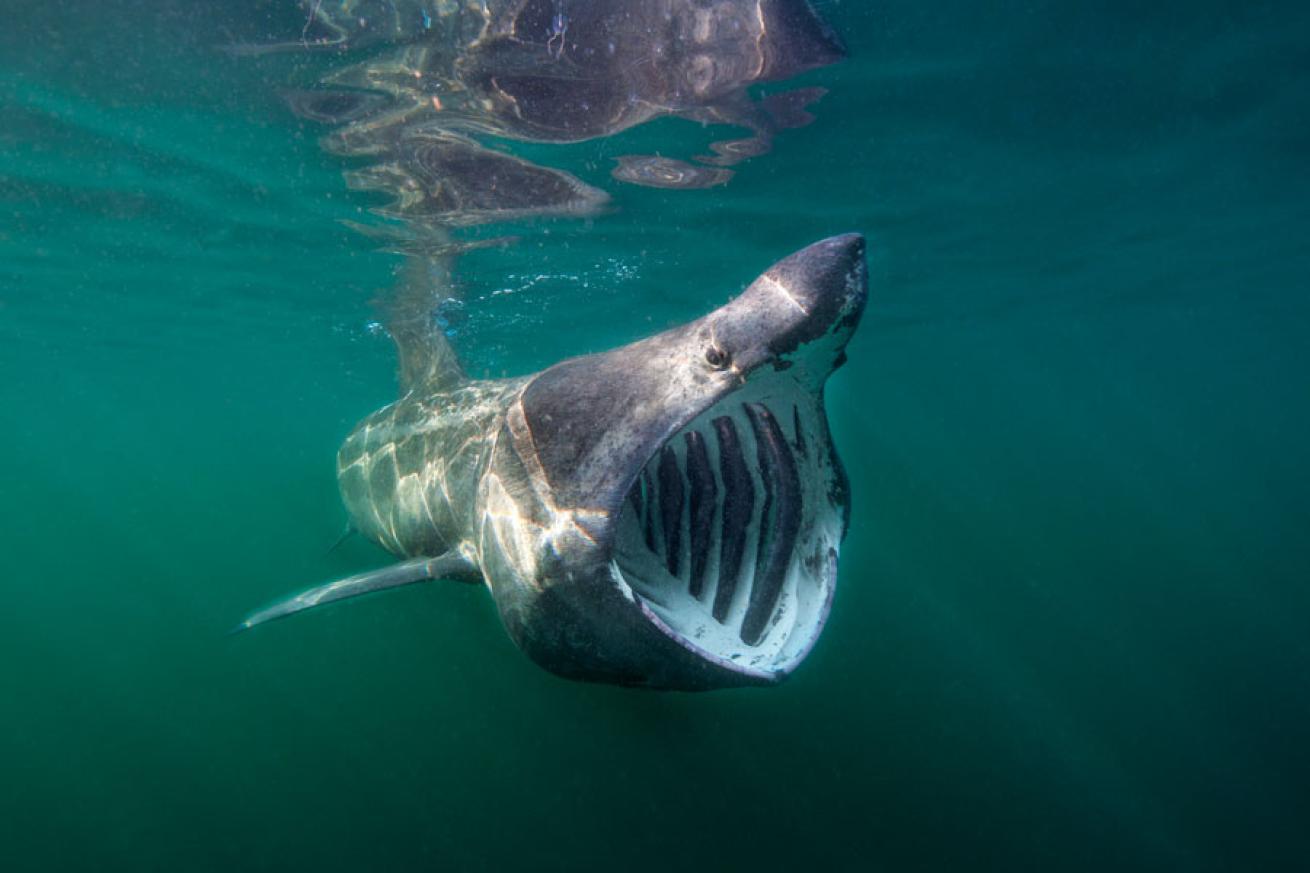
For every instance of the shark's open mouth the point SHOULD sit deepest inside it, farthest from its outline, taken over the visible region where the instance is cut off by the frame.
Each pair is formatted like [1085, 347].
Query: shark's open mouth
[728, 539]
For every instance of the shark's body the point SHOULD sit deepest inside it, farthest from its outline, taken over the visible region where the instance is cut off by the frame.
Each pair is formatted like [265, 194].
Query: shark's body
[667, 514]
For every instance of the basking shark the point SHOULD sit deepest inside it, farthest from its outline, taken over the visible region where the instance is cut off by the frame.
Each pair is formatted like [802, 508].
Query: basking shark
[666, 514]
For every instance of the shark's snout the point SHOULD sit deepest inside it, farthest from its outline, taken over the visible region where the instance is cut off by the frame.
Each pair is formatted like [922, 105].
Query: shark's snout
[801, 311]
[827, 282]
[821, 275]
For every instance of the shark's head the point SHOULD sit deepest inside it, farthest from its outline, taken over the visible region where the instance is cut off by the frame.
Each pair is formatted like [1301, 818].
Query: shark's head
[669, 513]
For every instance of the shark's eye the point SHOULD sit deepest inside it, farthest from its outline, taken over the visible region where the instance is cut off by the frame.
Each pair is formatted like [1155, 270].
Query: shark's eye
[716, 357]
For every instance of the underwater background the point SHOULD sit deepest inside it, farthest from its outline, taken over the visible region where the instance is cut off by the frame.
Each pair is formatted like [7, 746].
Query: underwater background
[1071, 622]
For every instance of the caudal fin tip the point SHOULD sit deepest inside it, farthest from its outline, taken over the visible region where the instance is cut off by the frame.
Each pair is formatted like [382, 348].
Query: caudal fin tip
[240, 628]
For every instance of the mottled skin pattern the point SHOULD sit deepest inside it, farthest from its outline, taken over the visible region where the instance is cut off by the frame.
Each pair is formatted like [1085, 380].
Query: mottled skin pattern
[410, 473]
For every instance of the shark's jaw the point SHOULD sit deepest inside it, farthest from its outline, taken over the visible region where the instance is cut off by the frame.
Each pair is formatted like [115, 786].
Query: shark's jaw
[668, 514]
[727, 541]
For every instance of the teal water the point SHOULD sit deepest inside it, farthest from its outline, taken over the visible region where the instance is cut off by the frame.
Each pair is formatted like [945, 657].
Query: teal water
[1070, 631]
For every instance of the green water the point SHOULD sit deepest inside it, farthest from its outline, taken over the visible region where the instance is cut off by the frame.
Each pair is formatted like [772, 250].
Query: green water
[1071, 624]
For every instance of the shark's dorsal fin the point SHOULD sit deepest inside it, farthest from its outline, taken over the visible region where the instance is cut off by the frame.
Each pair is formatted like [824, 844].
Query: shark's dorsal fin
[449, 565]
[425, 354]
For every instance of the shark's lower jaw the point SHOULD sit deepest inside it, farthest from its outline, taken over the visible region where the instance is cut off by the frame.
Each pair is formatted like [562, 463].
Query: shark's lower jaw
[728, 540]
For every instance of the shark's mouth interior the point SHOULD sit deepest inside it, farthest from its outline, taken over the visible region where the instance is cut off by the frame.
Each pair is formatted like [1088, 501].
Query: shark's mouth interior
[728, 539]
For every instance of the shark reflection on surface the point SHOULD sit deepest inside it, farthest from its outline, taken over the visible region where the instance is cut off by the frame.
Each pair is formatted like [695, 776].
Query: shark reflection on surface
[556, 71]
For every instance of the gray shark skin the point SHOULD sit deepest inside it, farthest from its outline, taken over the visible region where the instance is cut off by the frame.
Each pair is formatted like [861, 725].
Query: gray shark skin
[667, 514]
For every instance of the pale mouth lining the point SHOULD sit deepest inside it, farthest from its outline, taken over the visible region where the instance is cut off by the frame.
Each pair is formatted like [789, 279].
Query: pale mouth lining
[728, 539]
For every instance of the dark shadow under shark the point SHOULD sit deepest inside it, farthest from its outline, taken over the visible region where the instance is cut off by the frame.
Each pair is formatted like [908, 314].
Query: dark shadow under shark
[667, 514]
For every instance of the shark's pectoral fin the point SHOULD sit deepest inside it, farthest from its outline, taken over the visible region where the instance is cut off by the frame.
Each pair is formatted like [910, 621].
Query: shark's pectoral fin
[451, 565]
[345, 535]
